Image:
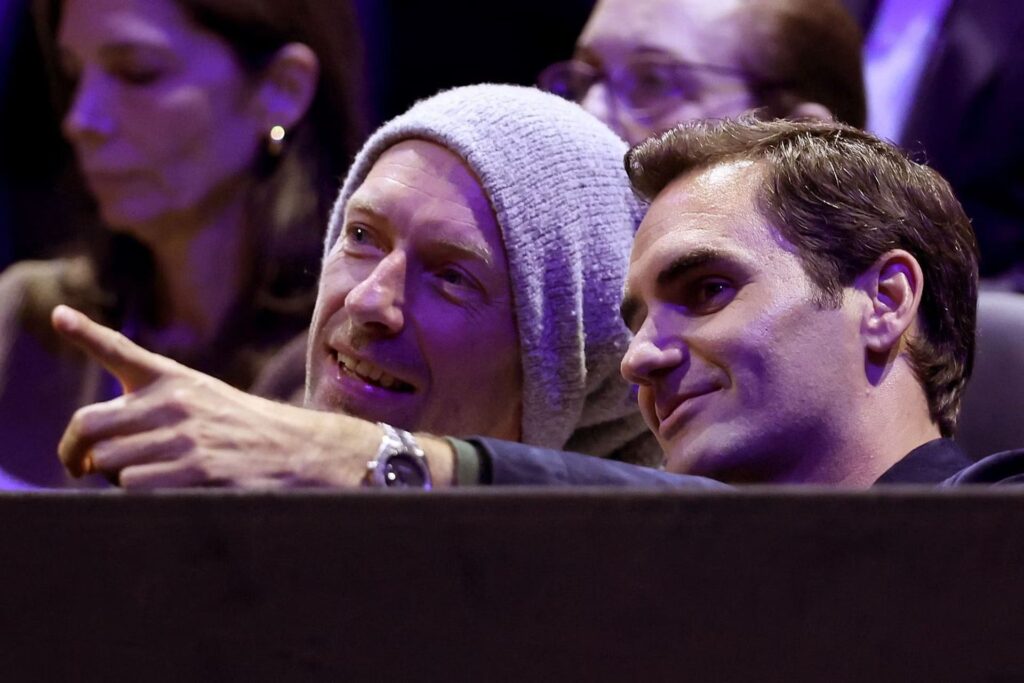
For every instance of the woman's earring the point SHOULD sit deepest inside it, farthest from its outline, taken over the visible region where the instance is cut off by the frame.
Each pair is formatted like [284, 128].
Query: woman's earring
[275, 140]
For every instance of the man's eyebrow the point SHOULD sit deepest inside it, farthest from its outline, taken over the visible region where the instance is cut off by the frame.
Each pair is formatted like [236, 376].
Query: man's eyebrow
[452, 247]
[123, 49]
[682, 265]
[363, 205]
[679, 267]
[462, 249]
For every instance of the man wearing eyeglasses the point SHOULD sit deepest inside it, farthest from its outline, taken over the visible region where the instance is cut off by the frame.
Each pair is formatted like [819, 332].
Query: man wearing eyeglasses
[642, 66]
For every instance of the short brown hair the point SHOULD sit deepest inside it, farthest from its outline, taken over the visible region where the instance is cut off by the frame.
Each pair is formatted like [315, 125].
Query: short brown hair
[812, 48]
[843, 198]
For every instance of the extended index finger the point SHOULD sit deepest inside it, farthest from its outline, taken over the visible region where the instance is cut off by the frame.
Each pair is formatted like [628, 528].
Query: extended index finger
[134, 366]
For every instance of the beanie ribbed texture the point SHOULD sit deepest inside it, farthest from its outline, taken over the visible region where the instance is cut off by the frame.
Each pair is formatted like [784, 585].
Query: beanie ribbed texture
[555, 179]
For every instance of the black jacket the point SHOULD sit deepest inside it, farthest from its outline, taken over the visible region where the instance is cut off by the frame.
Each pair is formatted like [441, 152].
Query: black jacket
[937, 463]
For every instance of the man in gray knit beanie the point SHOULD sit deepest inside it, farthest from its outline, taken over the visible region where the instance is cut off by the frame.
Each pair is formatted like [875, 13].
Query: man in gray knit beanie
[553, 177]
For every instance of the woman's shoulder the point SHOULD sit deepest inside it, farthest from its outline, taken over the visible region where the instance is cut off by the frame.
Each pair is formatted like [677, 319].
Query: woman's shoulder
[51, 277]
[30, 289]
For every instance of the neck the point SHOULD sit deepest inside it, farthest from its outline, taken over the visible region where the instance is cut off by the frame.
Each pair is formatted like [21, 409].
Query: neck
[202, 266]
[892, 418]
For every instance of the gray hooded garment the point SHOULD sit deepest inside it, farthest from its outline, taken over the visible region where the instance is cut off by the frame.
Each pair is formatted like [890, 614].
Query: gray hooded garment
[555, 179]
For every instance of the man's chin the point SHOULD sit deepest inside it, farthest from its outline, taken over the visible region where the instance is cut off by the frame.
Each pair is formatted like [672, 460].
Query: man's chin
[694, 456]
[732, 466]
[358, 406]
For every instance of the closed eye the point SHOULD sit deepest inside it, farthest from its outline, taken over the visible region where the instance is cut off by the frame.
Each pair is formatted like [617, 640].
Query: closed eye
[137, 64]
[136, 75]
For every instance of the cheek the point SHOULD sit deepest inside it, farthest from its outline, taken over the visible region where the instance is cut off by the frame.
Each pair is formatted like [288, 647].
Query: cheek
[336, 281]
[161, 123]
[645, 399]
[746, 352]
[475, 370]
[791, 359]
[192, 136]
[471, 348]
[338, 276]
[321, 311]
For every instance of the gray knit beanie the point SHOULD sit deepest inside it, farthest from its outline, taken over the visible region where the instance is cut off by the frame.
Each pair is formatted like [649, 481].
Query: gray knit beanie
[555, 179]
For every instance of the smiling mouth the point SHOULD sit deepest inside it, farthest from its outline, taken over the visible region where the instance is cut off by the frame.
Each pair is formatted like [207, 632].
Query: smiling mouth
[683, 404]
[370, 374]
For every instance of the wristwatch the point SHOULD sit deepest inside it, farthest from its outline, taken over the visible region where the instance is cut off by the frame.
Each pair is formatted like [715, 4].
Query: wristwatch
[400, 462]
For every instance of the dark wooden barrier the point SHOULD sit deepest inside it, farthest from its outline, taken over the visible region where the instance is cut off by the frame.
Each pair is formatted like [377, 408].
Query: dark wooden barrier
[513, 585]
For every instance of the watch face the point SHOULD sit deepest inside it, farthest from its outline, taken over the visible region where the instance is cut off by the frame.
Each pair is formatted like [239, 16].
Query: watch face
[405, 470]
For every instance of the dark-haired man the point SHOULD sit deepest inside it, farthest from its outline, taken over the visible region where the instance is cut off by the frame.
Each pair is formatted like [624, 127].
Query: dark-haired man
[803, 300]
[643, 66]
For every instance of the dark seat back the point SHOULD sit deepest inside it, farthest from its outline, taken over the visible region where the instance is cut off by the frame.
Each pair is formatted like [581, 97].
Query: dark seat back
[991, 420]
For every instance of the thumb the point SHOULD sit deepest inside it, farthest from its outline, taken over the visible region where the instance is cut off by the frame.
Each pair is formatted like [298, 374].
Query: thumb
[134, 366]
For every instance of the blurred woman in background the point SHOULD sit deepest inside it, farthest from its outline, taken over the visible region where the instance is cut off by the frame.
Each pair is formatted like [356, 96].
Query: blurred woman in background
[211, 134]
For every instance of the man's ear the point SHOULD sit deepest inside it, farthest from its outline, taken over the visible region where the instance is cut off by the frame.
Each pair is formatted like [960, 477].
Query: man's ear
[892, 286]
[811, 110]
[288, 85]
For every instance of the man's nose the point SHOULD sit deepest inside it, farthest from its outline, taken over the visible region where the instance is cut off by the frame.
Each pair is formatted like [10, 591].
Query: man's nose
[90, 116]
[651, 354]
[376, 302]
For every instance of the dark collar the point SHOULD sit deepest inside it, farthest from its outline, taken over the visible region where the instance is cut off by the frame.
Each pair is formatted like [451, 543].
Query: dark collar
[929, 463]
